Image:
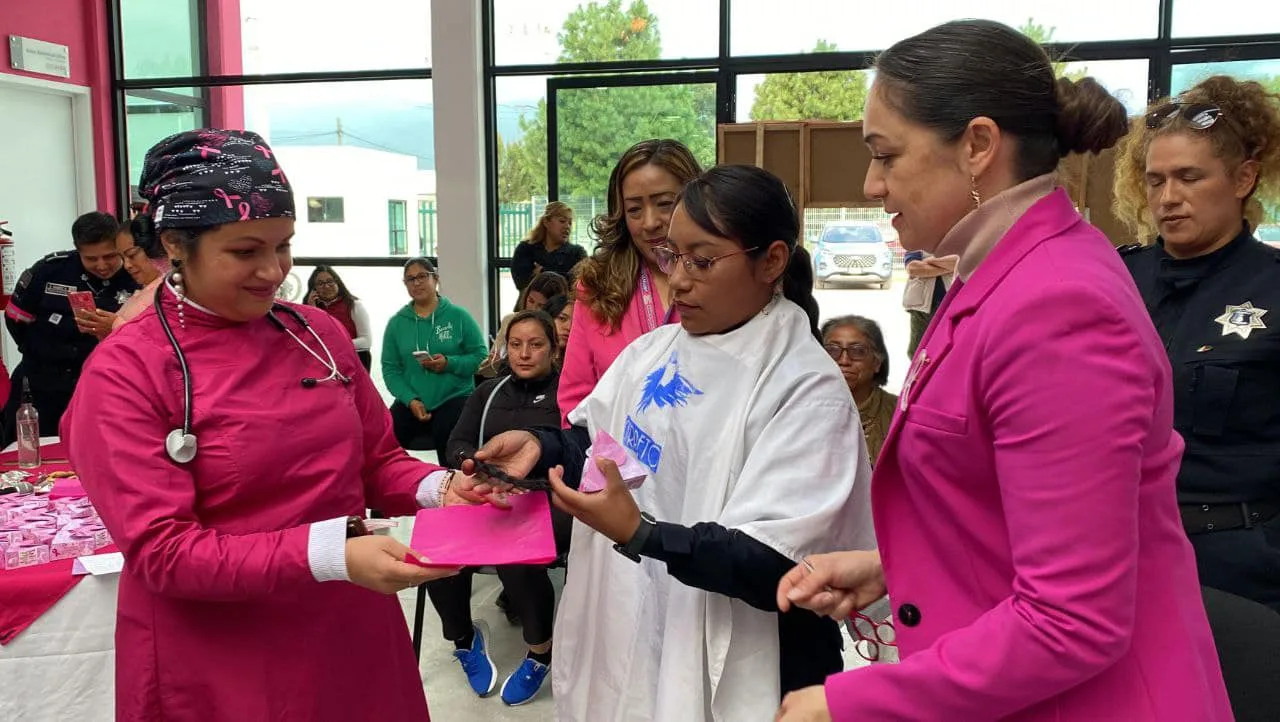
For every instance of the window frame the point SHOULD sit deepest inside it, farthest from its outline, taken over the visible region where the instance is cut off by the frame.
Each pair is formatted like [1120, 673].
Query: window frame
[397, 237]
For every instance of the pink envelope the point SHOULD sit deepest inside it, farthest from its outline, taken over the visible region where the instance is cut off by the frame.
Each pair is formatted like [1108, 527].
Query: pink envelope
[67, 488]
[484, 535]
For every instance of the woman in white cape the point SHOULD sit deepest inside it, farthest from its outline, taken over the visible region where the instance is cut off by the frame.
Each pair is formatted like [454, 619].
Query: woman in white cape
[754, 459]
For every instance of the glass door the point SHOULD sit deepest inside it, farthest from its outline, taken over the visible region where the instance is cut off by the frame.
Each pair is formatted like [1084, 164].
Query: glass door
[591, 121]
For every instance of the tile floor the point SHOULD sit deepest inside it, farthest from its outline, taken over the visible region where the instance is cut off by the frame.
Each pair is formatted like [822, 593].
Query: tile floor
[448, 695]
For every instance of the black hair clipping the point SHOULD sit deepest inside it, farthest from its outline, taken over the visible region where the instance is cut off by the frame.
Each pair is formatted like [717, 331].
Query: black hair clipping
[492, 471]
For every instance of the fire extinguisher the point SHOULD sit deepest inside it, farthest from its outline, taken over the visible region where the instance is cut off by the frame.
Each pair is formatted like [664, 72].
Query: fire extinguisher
[8, 266]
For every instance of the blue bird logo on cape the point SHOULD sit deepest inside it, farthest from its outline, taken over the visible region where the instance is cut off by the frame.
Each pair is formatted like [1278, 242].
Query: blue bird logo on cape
[666, 387]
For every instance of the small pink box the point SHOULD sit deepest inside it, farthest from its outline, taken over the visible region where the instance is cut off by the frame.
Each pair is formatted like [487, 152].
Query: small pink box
[633, 474]
[25, 556]
[68, 545]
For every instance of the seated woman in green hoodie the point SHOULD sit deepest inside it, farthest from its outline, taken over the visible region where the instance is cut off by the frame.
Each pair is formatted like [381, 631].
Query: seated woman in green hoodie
[430, 354]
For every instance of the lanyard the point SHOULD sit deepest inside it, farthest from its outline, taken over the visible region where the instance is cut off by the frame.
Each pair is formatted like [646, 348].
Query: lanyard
[646, 295]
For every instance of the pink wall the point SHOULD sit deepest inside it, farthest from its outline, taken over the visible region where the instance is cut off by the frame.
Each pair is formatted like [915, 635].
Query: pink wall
[226, 57]
[81, 25]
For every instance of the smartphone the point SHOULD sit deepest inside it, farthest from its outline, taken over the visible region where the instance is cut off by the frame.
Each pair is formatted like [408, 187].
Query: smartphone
[421, 354]
[82, 301]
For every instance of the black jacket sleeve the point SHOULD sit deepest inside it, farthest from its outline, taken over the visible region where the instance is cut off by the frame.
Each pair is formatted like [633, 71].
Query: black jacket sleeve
[564, 447]
[522, 265]
[465, 433]
[26, 302]
[718, 559]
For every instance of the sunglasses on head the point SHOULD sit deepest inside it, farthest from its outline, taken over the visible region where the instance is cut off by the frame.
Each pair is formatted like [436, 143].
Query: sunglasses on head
[1200, 116]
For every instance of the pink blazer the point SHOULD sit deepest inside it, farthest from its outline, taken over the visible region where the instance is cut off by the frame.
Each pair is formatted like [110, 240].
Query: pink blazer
[1024, 504]
[593, 346]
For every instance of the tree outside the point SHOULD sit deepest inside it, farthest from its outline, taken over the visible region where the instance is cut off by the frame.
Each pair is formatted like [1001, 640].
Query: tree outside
[1044, 35]
[839, 95]
[595, 125]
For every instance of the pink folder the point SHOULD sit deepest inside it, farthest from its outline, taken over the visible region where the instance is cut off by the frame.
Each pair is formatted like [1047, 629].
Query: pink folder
[484, 535]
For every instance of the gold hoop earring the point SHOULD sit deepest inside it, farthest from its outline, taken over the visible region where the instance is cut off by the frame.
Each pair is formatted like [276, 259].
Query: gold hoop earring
[973, 191]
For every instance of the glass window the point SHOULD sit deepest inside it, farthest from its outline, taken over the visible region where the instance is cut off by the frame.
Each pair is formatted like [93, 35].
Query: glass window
[161, 38]
[307, 36]
[842, 95]
[365, 142]
[153, 115]
[397, 233]
[855, 232]
[834, 95]
[324, 210]
[508, 294]
[765, 27]
[596, 125]
[1266, 72]
[427, 227]
[1204, 18]
[578, 31]
[1125, 79]
[520, 107]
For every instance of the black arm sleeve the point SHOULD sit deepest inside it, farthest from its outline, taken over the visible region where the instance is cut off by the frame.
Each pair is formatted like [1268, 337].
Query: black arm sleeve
[718, 559]
[565, 447]
[26, 297]
[522, 265]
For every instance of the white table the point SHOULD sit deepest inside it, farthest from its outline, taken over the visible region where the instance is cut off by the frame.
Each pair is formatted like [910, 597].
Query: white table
[62, 667]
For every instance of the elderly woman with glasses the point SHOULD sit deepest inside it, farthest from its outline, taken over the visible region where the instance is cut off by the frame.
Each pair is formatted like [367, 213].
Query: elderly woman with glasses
[857, 346]
[1196, 174]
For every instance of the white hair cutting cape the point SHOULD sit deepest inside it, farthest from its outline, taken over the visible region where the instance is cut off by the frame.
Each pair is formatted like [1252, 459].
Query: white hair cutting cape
[755, 430]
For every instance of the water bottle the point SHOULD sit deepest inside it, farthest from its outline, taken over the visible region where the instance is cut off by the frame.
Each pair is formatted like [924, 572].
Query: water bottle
[28, 431]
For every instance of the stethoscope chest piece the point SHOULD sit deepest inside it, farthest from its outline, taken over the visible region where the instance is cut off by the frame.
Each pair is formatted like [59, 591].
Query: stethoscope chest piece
[181, 446]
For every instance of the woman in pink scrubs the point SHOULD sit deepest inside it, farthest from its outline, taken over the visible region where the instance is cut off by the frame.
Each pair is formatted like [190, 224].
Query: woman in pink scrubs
[250, 589]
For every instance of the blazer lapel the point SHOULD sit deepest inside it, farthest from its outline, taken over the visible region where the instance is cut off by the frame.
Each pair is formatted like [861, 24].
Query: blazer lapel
[1048, 217]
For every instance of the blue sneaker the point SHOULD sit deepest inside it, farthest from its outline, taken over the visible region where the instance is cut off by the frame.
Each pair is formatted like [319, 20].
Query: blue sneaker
[523, 684]
[476, 663]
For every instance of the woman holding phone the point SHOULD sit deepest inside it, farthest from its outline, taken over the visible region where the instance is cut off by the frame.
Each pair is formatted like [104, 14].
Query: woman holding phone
[430, 353]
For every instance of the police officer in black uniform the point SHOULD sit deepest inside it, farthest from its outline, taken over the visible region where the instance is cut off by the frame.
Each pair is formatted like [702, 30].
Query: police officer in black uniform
[54, 345]
[1213, 292]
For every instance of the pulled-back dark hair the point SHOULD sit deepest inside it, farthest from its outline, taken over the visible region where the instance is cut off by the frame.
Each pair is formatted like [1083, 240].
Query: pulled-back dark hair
[549, 283]
[750, 205]
[143, 229]
[556, 304]
[965, 69]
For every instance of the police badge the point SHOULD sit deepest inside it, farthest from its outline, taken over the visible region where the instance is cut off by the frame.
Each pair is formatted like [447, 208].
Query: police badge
[1242, 319]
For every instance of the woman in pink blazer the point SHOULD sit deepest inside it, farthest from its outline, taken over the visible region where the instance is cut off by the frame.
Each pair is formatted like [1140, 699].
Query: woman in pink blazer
[622, 293]
[1024, 498]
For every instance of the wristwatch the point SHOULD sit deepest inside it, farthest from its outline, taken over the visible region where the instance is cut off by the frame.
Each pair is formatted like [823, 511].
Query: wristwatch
[631, 549]
[356, 527]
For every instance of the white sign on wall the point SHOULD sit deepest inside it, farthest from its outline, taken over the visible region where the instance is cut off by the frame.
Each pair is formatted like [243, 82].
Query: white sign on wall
[37, 56]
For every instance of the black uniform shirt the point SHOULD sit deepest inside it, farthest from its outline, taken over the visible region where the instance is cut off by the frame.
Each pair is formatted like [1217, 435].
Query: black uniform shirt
[561, 261]
[1219, 318]
[40, 317]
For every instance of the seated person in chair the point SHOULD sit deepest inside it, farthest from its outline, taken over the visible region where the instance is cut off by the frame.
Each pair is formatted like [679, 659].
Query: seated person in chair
[430, 353]
[525, 397]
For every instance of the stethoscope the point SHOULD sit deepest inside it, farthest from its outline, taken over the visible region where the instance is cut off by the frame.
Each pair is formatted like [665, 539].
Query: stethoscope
[181, 443]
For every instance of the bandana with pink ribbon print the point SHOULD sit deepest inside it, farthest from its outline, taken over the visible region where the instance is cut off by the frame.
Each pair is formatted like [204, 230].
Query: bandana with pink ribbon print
[203, 178]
